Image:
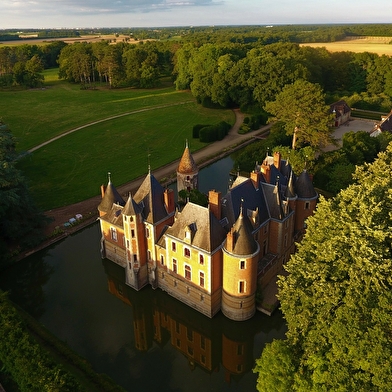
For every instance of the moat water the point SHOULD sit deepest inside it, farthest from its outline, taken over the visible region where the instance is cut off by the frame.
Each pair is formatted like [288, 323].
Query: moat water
[146, 340]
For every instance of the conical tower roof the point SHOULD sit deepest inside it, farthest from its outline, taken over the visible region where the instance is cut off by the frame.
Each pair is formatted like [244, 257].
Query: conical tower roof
[131, 207]
[245, 244]
[304, 187]
[187, 164]
[111, 196]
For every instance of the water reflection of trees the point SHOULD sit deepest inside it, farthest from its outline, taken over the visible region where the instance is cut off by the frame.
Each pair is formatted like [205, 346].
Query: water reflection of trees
[25, 281]
[206, 343]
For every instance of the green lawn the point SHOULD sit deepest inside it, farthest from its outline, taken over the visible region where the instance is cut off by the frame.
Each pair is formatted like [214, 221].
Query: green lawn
[73, 167]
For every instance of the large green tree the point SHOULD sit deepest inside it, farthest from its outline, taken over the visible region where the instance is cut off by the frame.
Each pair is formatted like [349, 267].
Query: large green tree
[301, 106]
[20, 222]
[337, 295]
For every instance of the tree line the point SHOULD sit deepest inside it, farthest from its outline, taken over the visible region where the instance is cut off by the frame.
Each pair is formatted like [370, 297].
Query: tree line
[23, 64]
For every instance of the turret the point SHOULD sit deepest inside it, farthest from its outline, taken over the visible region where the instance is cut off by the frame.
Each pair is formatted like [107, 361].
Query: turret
[240, 256]
[187, 172]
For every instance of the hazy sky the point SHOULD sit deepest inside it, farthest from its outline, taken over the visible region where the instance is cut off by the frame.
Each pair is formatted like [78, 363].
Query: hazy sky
[152, 13]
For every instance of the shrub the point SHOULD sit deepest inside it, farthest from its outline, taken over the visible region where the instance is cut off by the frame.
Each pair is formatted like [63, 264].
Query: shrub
[196, 130]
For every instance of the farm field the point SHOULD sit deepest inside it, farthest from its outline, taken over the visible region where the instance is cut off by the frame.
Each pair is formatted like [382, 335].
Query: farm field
[378, 45]
[152, 129]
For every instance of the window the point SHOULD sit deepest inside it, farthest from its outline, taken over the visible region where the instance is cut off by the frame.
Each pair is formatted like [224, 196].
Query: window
[133, 233]
[242, 264]
[187, 252]
[147, 232]
[188, 272]
[202, 342]
[241, 286]
[240, 349]
[175, 266]
[162, 260]
[201, 279]
[128, 244]
[173, 246]
[201, 259]
[190, 351]
[131, 218]
[113, 234]
[203, 359]
[135, 258]
[307, 205]
[189, 334]
[149, 255]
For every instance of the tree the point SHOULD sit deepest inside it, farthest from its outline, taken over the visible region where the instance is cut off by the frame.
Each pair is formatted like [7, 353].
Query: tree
[301, 106]
[337, 294]
[20, 222]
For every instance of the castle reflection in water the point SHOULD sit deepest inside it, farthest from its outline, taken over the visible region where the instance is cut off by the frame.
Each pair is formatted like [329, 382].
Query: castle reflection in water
[206, 343]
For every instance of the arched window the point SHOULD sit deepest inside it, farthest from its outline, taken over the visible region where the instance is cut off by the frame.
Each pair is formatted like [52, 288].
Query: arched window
[188, 272]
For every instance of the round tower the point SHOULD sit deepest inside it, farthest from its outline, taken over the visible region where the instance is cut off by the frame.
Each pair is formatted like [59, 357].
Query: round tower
[187, 172]
[240, 257]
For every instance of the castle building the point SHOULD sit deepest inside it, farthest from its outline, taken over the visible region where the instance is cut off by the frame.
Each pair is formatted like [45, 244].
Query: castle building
[210, 258]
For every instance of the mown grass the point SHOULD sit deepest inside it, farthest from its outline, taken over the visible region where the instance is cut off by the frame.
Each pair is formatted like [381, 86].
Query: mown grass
[72, 168]
[37, 115]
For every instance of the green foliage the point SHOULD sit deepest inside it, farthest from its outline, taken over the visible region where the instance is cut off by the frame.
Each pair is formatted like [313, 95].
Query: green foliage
[24, 360]
[194, 196]
[256, 152]
[196, 130]
[337, 294]
[214, 132]
[301, 106]
[20, 222]
[300, 159]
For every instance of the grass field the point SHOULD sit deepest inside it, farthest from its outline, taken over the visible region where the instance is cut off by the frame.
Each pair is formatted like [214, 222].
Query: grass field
[73, 167]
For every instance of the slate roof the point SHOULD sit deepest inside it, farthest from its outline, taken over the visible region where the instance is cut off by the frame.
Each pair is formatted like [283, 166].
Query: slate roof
[274, 201]
[339, 108]
[386, 124]
[131, 207]
[244, 243]
[304, 187]
[246, 195]
[114, 215]
[206, 231]
[111, 196]
[150, 197]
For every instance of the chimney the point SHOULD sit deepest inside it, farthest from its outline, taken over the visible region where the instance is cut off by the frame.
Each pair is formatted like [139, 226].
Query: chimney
[266, 170]
[230, 240]
[256, 178]
[168, 197]
[277, 158]
[215, 204]
[103, 190]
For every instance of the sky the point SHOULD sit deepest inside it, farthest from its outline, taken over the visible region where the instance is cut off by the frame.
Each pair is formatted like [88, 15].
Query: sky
[162, 13]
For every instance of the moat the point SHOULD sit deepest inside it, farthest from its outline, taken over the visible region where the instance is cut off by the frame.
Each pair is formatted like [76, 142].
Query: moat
[145, 341]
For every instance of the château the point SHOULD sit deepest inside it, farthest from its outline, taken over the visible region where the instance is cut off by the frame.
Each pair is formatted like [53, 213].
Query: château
[214, 258]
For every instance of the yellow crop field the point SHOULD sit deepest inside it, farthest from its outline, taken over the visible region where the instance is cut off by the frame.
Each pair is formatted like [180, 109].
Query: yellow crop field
[378, 45]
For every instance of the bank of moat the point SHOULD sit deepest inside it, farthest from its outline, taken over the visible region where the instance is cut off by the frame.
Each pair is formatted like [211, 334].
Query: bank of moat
[211, 258]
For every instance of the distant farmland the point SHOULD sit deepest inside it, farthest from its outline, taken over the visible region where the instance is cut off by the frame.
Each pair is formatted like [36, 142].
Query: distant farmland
[378, 45]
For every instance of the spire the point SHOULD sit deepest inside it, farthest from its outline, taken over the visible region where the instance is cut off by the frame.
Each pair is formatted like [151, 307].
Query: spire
[187, 164]
[290, 191]
[110, 197]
